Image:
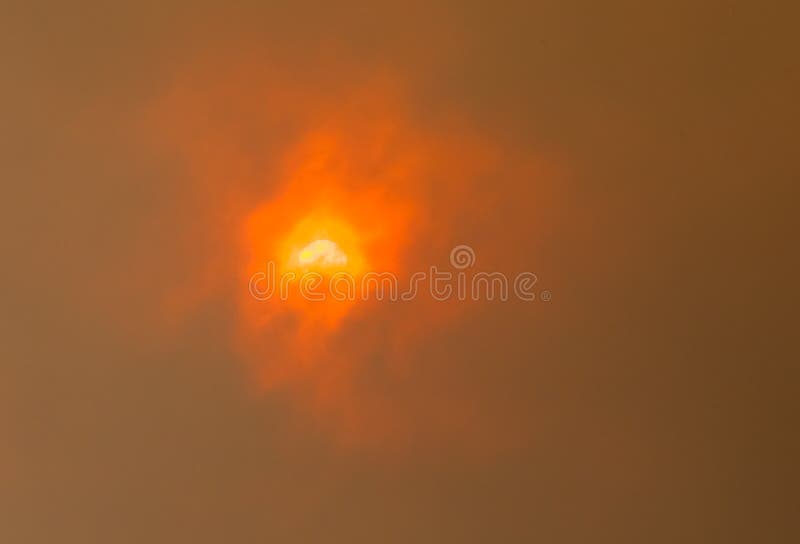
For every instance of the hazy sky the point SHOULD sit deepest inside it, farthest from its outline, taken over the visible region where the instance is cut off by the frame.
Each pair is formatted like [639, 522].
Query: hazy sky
[639, 157]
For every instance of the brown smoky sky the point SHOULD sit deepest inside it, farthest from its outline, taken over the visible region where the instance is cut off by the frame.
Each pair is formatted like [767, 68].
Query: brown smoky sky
[639, 157]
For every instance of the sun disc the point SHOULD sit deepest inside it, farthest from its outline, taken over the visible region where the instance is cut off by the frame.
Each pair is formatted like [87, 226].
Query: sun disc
[323, 253]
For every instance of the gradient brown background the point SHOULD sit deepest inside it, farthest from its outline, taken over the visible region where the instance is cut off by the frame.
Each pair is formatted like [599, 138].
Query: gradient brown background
[655, 398]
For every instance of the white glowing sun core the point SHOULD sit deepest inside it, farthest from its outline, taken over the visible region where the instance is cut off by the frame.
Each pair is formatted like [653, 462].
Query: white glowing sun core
[322, 253]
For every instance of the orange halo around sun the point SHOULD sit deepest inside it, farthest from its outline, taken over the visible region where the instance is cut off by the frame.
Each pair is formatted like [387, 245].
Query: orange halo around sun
[346, 178]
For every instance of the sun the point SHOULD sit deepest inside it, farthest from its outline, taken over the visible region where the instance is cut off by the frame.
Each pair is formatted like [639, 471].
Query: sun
[322, 253]
[324, 243]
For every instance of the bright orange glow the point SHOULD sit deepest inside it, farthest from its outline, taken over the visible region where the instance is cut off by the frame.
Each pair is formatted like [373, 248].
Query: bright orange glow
[349, 203]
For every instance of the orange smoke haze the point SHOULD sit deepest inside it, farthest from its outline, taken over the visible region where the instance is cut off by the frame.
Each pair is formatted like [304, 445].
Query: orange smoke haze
[640, 158]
